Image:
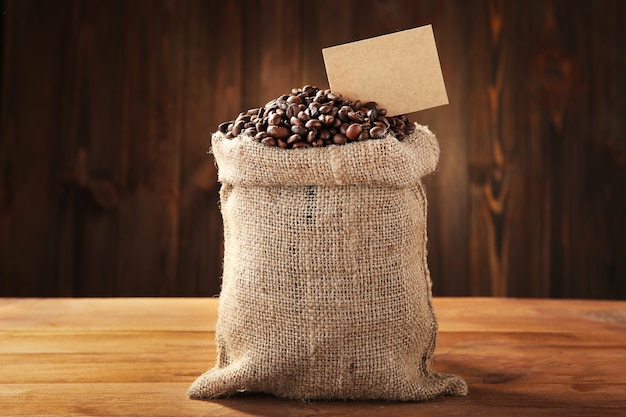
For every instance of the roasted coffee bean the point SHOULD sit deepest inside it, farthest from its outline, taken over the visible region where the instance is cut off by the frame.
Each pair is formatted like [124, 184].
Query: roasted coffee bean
[294, 99]
[223, 127]
[343, 113]
[339, 139]
[274, 119]
[300, 130]
[353, 131]
[313, 124]
[293, 139]
[269, 141]
[303, 116]
[324, 134]
[377, 132]
[309, 116]
[356, 116]
[237, 128]
[278, 132]
[292, 110]
[314, 109]
[327, 119]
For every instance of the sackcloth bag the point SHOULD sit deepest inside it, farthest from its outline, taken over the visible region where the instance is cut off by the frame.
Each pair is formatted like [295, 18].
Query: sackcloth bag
[326, 292]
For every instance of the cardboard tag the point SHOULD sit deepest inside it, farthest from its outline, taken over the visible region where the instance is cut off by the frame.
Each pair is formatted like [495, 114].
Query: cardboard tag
[400, 71]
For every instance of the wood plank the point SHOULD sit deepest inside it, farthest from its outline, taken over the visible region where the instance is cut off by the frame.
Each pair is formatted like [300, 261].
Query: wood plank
[91, 128]
[169, 399]
[29, 179]
[96, 315]
[213, 94]
[323, 30]
[272, 51]
[111, 357]
[448, 222]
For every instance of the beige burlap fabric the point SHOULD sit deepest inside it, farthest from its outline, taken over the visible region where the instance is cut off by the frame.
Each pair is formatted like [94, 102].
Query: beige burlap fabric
[326, 291]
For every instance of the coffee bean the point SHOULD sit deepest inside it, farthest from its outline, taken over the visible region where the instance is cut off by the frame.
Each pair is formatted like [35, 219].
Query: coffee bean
[377, 132]
[339, 139]
[278, 132]
[310, 116]
[293, 139]
[356, 116]
[300, 130]
[269, 141]
[237, 128]
[303, 116]
[313, 124]
[223, 127]
[251, 131]
[274, 119]
[353, 131]
[327, 119]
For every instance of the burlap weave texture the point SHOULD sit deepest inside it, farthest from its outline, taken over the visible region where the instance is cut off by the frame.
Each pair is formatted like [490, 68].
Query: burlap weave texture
[326, 291]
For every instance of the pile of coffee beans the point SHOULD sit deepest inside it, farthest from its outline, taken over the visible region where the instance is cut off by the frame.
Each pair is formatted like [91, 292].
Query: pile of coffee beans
[313, 117]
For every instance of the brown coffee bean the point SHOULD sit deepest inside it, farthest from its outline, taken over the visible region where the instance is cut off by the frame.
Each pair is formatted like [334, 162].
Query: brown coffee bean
[343, 113]
[309, 115]
[353, 131]
[300, 130]
[292, 110]
[313, 124]
[339, 139]
[327, 119]
[314, 109]
[223, 127]
[278, 132]
[251, 131]
[294, 99]
[303, 116]
[274, 119]
[293, 139]
[377, 132]
[237, 128]
[324, 134]
[326, 109]
[356, 116]
[269, 141]
[294, 121]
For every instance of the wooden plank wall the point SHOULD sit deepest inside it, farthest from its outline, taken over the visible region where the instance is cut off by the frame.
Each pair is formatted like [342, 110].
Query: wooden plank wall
[106, 188]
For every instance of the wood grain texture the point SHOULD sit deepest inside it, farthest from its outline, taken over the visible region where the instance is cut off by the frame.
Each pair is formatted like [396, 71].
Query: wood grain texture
[137, 356]
[107, 189]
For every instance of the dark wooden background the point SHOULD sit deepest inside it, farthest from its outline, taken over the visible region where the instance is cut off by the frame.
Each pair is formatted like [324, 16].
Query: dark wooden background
[106, 188]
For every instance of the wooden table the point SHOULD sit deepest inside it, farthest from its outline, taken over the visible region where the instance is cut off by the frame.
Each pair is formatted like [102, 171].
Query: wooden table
[137, 356]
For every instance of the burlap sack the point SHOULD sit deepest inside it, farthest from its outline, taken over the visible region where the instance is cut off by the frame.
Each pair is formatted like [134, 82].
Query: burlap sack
[326, 292]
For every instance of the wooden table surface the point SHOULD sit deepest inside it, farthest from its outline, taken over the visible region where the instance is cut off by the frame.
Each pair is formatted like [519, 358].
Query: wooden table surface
[137, 357]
